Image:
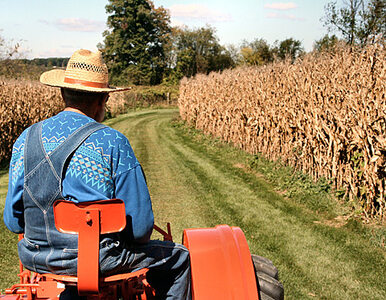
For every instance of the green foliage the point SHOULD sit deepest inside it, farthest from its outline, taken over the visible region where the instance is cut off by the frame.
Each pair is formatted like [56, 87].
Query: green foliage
[140, 97]
[16, 69]
[358, 21]
[30, 68]
[297, 185]
[257, 52]
[197, 51]
[289, 48]
[374, 19]
[151, 96]
[326, 43]
[134, 43]
[60, 62]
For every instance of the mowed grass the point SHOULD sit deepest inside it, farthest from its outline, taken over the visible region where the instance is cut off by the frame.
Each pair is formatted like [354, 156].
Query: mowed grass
[196, 181]
[9, 263]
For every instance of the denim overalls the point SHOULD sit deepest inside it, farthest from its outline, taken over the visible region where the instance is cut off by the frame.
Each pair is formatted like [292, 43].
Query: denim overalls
[44, 248]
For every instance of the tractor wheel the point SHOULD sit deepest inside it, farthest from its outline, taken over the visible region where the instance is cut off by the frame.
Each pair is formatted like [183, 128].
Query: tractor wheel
[267, 279]
[265, 297]
[264, 265]
[269, 286]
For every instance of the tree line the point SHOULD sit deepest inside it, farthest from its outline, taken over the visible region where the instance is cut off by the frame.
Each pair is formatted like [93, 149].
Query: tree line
[141, 47]
[13, 65]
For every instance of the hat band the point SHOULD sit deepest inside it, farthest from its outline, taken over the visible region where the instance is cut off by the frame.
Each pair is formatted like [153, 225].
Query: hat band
[86, 83]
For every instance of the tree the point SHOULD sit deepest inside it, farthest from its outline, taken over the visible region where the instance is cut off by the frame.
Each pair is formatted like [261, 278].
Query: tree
[134, 43]
[374, 21]
[234, 53]
[198, 51]
[357, 20]
[326, 43]
[257, 52]
[288, 48]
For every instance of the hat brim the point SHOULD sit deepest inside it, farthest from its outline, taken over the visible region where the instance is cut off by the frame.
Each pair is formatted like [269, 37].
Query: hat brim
[55, 78]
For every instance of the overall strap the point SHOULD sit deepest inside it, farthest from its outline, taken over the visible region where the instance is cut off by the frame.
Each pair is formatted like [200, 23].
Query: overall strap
[36, 154]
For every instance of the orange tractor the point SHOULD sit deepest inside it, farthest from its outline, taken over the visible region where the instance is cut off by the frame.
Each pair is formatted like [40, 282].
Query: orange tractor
[221, 264]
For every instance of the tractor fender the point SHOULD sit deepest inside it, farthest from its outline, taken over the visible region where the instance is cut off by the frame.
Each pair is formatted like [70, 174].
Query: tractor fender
[221, 264]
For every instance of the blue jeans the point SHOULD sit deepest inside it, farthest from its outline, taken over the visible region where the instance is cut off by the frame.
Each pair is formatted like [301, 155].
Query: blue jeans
[168, 263]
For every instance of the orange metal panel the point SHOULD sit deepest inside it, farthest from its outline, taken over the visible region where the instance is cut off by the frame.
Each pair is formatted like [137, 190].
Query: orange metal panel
[88, 252]
[221, 264]
[89, 220]
[49, 290]
[68, 215]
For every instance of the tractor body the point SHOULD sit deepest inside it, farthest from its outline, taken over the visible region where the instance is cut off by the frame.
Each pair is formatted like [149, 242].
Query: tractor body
[221, 264]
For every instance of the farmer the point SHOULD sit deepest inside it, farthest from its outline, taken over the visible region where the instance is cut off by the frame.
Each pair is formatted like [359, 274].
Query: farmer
[72, 156]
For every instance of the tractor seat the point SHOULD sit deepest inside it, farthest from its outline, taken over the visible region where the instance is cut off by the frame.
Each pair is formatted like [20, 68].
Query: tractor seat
[89, 220]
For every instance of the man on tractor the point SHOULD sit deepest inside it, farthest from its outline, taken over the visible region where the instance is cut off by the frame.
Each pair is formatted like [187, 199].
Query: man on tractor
[73, 156]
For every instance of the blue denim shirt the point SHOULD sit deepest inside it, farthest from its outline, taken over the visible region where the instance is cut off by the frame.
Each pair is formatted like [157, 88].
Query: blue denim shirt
[102, 167]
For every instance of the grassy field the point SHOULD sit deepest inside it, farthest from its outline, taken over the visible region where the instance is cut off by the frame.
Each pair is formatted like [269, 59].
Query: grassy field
[195, 181]
[9, 266]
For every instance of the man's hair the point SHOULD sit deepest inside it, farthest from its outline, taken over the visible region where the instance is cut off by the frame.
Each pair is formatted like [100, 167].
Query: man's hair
[80, 99]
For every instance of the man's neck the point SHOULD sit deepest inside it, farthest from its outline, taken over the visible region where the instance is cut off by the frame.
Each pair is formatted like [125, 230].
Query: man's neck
[75, 110]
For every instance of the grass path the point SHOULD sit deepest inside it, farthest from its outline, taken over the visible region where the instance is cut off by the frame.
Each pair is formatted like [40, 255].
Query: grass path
[195, 182]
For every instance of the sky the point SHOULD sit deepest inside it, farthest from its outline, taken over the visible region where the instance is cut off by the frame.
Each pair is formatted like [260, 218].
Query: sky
[56, 28]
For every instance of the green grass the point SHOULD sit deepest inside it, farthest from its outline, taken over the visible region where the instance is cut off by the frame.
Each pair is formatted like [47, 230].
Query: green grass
[196, 181]
[9, 264]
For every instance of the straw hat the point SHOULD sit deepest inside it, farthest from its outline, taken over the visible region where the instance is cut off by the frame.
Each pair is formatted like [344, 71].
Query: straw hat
[85, 71]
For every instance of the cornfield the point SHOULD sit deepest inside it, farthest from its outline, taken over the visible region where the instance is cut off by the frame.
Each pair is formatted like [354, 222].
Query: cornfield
[324, 115]
[23, 103]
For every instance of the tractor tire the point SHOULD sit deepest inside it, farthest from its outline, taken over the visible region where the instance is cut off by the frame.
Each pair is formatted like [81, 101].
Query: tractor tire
[269, 286]
[265, 297]
[264, 265]
[267, 277]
